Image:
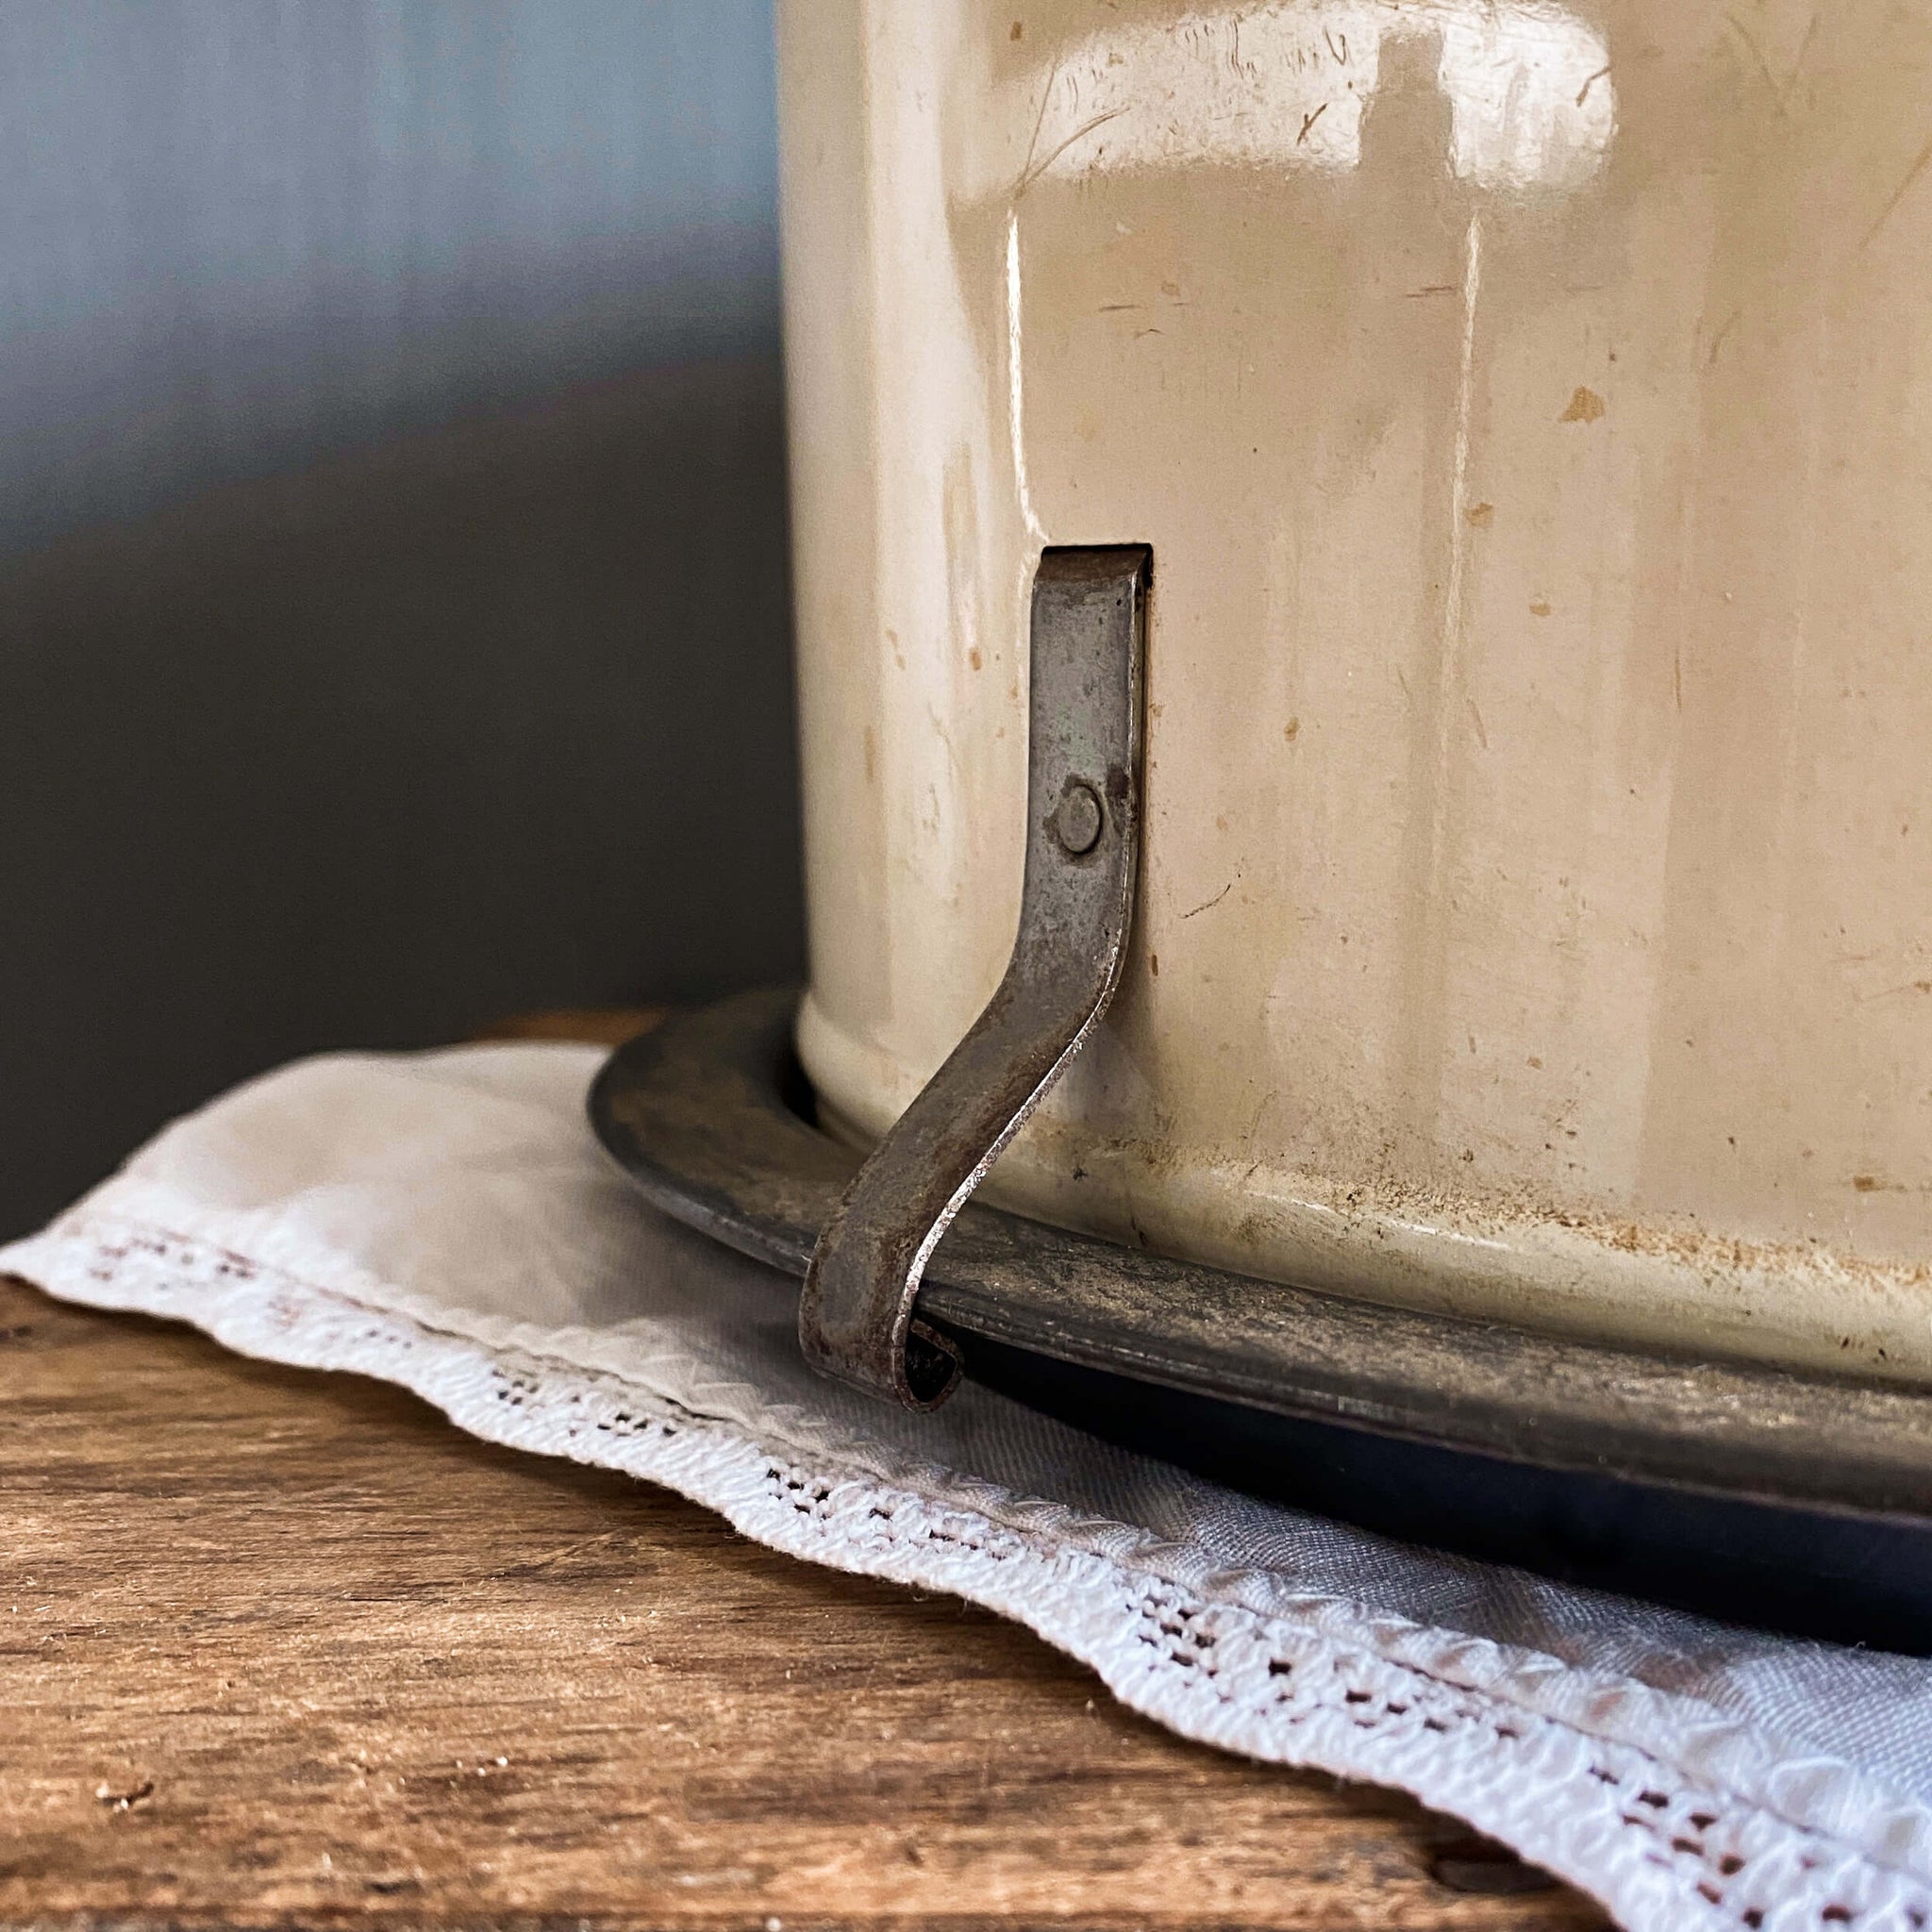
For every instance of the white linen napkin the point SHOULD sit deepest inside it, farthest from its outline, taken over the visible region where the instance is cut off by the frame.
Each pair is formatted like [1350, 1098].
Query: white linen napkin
[446, 1220]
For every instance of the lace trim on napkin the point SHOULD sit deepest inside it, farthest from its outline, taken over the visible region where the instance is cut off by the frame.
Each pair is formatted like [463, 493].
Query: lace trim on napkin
[1751, 1840]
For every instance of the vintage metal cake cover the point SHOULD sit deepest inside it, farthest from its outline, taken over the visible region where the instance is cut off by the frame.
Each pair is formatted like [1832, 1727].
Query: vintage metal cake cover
[1526, 405]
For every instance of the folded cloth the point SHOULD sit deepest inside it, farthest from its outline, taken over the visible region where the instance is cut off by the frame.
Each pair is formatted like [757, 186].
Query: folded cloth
[447, 1221]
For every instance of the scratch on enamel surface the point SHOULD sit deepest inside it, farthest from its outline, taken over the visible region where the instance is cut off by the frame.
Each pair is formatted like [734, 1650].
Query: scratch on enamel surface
[1036, 169]
[1458, 490]
[1453, 710]
[1921, 162]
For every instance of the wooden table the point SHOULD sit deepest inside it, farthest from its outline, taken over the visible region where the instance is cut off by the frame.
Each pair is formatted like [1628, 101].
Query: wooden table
[285, 1650]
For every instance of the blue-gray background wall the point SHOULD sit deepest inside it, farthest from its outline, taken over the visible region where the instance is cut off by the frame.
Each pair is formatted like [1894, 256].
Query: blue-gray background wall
[393, 609]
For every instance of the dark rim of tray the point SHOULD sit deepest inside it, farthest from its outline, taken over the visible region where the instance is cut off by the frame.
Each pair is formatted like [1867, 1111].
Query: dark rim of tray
[710, 1115]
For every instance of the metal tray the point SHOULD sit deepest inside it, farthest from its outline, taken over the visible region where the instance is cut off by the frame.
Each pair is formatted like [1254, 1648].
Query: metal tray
[1795, 1500]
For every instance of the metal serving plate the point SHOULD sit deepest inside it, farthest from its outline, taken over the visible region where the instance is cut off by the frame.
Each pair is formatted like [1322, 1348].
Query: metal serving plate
[1797, 1500]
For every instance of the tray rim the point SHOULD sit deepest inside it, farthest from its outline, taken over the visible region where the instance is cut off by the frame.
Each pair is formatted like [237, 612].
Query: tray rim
[698, 1115]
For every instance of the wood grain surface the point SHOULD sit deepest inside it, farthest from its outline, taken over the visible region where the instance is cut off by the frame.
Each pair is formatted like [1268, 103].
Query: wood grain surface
[288, 1650]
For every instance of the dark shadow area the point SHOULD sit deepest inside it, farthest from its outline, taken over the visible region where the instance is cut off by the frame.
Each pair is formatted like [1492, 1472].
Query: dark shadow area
[1865, 1581]
[489, 717]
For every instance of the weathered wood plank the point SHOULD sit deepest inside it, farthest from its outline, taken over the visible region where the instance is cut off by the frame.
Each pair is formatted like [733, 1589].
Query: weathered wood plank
[280, 1649]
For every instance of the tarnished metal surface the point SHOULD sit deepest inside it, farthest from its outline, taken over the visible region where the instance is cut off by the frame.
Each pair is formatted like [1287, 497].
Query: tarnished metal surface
[695, 1113]
[856, 1316]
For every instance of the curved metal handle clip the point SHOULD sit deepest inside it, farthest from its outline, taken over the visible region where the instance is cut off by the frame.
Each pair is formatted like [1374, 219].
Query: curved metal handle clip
[856, 1319]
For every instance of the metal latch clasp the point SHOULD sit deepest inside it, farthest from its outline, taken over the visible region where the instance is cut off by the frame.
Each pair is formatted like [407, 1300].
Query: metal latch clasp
[856, 1319]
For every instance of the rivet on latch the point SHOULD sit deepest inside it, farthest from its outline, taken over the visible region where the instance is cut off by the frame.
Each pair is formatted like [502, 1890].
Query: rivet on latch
[1078, 819]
